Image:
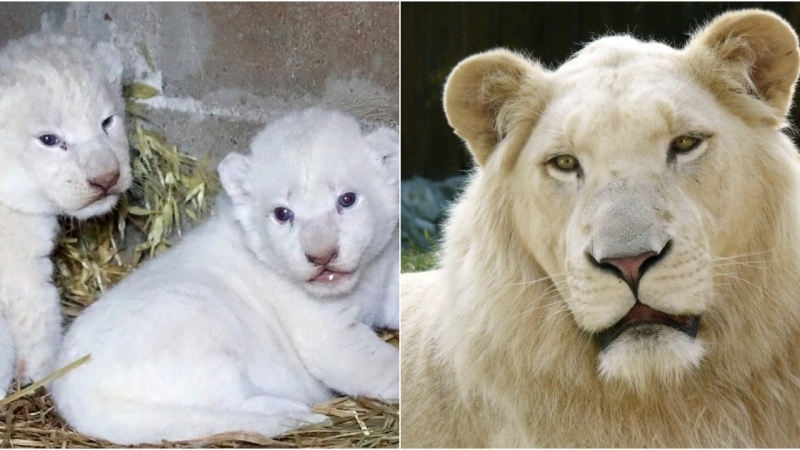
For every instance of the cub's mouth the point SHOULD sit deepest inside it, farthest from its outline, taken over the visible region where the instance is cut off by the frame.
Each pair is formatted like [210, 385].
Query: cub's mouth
[643, 316]
[329, 276]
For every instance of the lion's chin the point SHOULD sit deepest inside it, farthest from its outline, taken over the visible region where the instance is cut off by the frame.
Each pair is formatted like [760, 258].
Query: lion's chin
[648, 355]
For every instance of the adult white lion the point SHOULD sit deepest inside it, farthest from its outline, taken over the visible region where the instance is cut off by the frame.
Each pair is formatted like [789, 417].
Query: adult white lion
[624, 267]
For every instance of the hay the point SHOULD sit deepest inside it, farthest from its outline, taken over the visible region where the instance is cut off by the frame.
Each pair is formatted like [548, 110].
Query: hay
[170, 189]
[31, 422]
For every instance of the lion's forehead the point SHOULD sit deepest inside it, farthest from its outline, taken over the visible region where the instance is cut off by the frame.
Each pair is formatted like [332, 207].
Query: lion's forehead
[623, 67]
[640, 96]
[313, 185]
[627, 85]
[620, 52]
[74, 118]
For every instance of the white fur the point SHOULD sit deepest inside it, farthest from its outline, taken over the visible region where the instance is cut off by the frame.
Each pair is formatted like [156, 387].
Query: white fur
[49, 85]
[7, 354]
[665, 356]
[225, 332]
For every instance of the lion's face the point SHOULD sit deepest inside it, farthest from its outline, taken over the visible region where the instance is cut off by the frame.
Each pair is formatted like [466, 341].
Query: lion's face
[316, 199]
[62, 134]
[621, 170]
[617, 177]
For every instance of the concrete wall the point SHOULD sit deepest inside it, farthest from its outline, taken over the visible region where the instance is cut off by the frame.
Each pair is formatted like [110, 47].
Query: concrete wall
[225, 69]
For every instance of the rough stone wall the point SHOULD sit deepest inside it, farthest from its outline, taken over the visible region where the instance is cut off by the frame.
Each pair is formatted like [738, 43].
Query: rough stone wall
[226, 69]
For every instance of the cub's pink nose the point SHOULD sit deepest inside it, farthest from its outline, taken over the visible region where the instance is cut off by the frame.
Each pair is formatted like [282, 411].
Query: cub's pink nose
[324, 257]
[630, 267]
[104, 182]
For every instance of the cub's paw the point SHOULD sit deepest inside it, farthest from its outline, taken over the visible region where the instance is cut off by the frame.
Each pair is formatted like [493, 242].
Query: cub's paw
[301, 420]
[39, 363]
[389, 387]
[391, 392]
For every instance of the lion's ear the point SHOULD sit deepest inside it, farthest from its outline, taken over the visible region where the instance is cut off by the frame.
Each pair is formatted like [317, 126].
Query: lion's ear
[757, 51]
[485, 95]
[233, 174]
[112, 58]
[385, 144]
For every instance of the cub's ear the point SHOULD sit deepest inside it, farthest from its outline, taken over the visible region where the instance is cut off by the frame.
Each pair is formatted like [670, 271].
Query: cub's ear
[752, 52]
[233, 172]
[385, 144]
[112, 59]
[487, 95]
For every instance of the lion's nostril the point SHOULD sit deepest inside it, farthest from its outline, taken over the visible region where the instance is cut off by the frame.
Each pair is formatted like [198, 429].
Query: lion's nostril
[323, 258]
[631, 268]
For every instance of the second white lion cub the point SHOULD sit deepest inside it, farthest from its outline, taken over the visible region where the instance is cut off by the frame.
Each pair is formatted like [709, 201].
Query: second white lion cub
[264, 310]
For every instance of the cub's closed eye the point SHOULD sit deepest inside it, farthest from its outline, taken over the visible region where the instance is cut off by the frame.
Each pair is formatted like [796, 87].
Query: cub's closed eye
[283, 214]
[347, 200]
[685, 144]
[49, 140]
[107, 123]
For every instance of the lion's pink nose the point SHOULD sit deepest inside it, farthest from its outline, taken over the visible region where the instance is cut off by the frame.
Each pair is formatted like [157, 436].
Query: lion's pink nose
[324, 257]
[630, 267]
[104, 182]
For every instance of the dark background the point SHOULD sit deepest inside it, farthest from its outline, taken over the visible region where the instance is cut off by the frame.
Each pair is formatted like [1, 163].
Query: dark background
[436, 36]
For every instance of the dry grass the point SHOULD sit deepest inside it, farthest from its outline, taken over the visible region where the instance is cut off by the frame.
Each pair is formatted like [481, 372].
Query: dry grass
[170, 188]
[32, 422]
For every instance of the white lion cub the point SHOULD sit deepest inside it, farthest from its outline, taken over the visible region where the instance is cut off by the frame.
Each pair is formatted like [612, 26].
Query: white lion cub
[63, 151]
[261, 312]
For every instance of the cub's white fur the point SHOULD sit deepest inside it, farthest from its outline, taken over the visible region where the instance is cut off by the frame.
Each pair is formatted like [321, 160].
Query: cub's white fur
[226, 331]
[50, 85]
[500, 344]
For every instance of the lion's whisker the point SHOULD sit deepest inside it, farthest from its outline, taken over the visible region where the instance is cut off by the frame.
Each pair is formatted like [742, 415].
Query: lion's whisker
[751, 265]
[743, 254]
[538, 280]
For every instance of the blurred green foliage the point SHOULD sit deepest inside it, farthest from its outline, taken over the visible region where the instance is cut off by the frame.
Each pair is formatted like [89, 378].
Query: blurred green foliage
[416, 260]
[422, 206]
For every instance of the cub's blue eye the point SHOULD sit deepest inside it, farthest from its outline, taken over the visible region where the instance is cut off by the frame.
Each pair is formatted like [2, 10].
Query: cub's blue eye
[107, 123]
[283, 214]
[49, 140]
[347, 200]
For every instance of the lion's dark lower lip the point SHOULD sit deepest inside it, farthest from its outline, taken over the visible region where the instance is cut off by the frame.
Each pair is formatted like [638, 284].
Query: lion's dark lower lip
[642, 315]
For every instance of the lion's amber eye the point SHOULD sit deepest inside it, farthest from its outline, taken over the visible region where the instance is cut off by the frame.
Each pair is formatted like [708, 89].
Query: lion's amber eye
[565, 163]
[685, 143]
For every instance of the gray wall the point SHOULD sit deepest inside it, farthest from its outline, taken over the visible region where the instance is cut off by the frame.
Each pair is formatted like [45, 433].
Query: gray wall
[225, 69]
